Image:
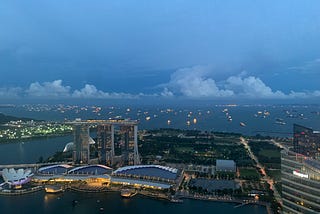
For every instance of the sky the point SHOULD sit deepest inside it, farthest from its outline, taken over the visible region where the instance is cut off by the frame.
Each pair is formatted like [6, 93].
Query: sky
[124, 49]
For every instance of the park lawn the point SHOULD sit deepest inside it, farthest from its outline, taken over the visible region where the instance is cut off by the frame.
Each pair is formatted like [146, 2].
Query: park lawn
[270, 153]
[248, 172]
[184, 149]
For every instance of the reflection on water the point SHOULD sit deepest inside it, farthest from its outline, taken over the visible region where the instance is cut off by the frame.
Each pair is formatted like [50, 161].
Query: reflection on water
[31, 151]
[111, 202]
[21, 153]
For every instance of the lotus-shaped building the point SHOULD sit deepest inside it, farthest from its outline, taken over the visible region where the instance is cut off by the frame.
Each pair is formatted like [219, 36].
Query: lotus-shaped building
[16, 177]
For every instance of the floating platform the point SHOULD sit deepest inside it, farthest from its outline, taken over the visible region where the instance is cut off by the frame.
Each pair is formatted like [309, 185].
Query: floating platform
[128, 193]
[53, 189]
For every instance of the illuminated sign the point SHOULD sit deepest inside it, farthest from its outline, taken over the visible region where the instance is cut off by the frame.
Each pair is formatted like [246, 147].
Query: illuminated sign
[295, 172]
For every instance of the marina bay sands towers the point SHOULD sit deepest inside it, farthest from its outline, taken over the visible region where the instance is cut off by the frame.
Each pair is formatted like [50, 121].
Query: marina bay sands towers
[117, 142]
[81, 153]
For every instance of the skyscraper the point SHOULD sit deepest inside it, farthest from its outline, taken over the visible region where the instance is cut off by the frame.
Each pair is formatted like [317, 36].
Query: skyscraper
[111, 134]
[129, 140]
[81, 154]
[300, 172]
[300, 177]
[105, 140]
[306, 141]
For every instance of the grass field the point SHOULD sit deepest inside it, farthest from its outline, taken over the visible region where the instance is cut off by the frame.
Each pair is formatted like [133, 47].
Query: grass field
[248, 172]
[270, 153]
[184, 149]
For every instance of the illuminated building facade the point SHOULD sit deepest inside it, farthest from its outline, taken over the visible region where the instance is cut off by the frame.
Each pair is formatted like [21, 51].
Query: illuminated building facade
[300, 176]
[105, 140]
[306, 141]
[129, 144]
[81, 154]
[111, 134]
[126, 141]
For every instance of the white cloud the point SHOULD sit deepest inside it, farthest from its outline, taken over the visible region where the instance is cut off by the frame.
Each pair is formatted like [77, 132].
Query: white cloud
[57, 89]
[304, 95]
[193, 82]
[48, 89]
[166, 93]
[90, 91]
[251, 87]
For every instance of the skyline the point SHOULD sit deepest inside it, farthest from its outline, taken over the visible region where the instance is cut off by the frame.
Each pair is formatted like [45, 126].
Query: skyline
[213, 50]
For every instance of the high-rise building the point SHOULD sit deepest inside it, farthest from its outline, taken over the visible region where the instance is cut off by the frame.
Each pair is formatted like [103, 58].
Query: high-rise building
[129, 138]
[306, 141]
[121, 135]
[124, 138]
[300, 172]
[81, 154]
[105, 140]
[300, 177]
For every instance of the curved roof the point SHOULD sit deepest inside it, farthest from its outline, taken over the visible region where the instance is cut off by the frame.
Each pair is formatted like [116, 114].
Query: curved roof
[91, 141]
[54, 169]
[69, 147]
[91, 169]
[16, 177]
[156, 171]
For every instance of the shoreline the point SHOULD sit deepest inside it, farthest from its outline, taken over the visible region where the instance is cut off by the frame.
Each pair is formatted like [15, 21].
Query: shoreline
[25, 140]
[179, 199]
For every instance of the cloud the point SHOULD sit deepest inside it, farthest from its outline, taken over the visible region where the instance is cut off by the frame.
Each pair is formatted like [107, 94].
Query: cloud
[48, 89]
[251, 87]
[13, 92]
[197, 82]
[166, 93]
[193, 82]
[58, 90]
[309, 67]
[304, 95]
[90, 91]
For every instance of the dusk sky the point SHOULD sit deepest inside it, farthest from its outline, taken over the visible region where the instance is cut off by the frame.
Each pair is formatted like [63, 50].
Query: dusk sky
[208, 49]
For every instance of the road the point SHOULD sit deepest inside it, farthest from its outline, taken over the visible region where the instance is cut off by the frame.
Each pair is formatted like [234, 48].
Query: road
[263, 172]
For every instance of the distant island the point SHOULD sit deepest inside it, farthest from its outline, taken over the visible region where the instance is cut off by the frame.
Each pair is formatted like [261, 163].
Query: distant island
[6, 118]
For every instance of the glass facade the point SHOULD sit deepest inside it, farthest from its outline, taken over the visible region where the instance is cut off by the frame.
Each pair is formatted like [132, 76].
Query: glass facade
[81, 153]
[300, 176]
[105, 140]
[306, 141]
[109, 142]
[129, 144]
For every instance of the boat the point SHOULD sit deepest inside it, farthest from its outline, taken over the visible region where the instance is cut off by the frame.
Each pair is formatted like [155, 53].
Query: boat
[53, 189]
[128, 193]
[280, 121]
[242, 124]
[176, 200]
